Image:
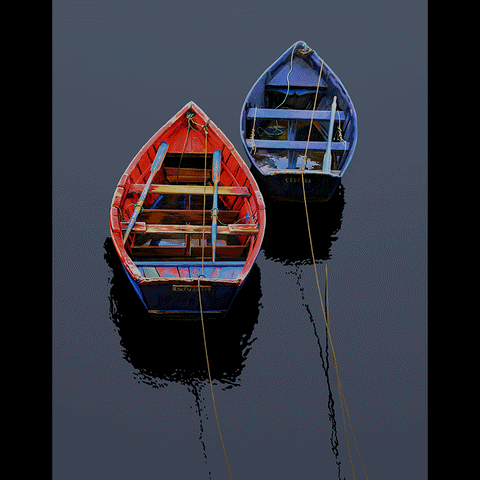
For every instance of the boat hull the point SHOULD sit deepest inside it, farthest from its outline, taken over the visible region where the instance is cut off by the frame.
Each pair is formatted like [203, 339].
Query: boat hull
[288, 187]
[164, 300]
[168, 250]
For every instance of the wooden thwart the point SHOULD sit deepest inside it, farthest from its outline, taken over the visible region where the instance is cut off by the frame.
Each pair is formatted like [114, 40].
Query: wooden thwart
[232, 229]
[190, 189]
[172, 216]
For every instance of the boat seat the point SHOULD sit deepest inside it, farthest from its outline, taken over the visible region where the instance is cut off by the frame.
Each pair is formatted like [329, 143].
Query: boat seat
[297, 145]
[169, 216]
[189, 189]
[290, 114]
[231, 229]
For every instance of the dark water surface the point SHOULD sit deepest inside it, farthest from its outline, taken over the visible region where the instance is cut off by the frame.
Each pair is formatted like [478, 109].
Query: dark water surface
[131, 398]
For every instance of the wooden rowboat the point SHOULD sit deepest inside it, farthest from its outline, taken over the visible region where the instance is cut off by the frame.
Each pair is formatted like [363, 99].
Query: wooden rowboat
[187, 207]
[275, 125]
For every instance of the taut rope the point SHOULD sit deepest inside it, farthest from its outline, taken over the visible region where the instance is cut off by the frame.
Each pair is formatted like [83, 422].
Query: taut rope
[327, 322]
[200, 295]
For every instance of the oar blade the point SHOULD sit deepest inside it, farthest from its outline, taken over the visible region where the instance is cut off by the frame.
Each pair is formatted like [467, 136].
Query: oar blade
[162, 150]
[327, 159]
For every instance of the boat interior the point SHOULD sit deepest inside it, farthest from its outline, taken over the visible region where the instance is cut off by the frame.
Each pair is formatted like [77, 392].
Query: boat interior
[281, 125]
[173, 232]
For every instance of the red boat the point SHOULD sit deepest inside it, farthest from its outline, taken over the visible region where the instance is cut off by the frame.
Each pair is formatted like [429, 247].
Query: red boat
[186, 215]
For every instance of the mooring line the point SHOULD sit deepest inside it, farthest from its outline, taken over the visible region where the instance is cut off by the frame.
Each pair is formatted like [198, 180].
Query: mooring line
[200, 299]
[210, 377]
[326, 318]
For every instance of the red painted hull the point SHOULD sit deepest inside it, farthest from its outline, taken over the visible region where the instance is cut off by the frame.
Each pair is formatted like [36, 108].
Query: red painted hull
[160, 279]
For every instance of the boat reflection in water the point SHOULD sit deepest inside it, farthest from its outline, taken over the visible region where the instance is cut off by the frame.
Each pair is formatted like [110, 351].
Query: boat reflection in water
[286, 239]
[171, 350]
[163, 351]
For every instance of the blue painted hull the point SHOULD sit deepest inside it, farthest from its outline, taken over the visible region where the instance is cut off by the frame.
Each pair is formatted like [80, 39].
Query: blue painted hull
[165, 300]
[178, 301]
[288, 187]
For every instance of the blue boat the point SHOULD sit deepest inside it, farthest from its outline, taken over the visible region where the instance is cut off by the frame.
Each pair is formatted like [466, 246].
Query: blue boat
[298, 127]
[187, 219]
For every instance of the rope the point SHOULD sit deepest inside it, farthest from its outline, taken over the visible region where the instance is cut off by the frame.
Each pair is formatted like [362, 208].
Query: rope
[204, 200]
[120, 213]
[288, 74]
[253, 149]
[325, 314]
[339, 138]
[189, 121]
[200, 296]
[210, 376]
[304, 51]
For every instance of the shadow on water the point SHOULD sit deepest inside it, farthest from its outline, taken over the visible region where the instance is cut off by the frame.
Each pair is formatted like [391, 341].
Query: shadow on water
[174, 351]
[286, 237]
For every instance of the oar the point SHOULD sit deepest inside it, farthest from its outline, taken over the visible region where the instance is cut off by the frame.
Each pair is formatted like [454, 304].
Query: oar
[217, 156]
[138, 207]
[327, 159]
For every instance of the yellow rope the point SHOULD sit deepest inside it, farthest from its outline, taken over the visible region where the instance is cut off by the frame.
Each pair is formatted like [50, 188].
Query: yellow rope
[253, 149]
[204, 194]
[210, 378]
[288, 74]
[200, 299]
[325, 314]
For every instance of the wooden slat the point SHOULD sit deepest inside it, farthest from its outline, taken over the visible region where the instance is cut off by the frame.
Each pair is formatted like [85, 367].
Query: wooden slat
[286, 114]
[189, 190]
[179, 216]
[297, 145]
[138, 227]
[242, 229]
[233, 229]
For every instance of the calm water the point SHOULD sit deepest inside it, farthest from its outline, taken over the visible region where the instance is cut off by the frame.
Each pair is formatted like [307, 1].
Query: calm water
[131, 398]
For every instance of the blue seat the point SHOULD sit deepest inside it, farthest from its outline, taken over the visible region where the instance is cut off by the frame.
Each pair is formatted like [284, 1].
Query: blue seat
[297, 145]
[288, 114]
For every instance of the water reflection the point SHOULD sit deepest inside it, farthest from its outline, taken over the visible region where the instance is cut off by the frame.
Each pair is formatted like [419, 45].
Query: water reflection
[324, 361]
[174, 351]
[286, 236]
